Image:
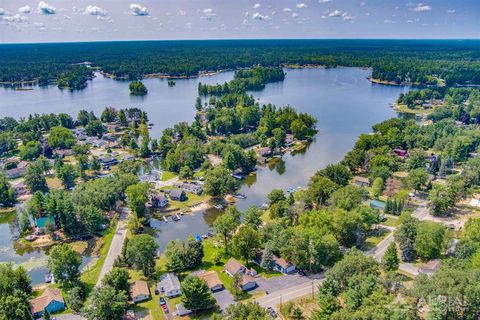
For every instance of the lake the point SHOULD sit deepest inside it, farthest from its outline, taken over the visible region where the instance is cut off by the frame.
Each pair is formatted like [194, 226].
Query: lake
[342, 99]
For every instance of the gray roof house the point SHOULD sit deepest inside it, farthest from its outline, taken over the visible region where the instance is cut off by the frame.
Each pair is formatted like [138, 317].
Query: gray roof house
[177, 195]
[170, 284]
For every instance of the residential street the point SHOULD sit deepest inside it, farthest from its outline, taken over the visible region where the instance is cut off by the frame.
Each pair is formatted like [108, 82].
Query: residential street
[169, 182]
[281, 296]
[379, 251]
[116, 245]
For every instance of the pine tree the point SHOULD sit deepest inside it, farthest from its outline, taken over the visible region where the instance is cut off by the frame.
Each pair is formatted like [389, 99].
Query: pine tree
[390, 260]
[267, 262]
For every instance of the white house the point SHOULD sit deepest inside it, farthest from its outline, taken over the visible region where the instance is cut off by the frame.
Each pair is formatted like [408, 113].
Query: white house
[170, 284]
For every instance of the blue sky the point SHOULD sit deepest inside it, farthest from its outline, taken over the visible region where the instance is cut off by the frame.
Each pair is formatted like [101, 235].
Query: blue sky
[96, 20]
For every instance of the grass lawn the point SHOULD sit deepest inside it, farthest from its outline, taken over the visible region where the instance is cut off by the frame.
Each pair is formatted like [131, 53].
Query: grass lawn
[167, 175]
[90, 276]
[192, 199]
[404, 109]
[391, 222]
[54, 183]
[306, 304]
[374, 238]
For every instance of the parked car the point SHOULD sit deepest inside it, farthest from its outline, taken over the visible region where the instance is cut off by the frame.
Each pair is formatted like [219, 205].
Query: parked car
[272, 312]
[163, 301]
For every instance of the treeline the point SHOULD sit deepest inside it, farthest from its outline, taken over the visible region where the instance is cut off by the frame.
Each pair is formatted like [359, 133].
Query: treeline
[423, 61]
[248, 79]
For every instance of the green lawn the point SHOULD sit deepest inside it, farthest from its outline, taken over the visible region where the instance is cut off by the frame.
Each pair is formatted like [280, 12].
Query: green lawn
[391, 222]
[374, 238]
[90, 276]
[167, 175]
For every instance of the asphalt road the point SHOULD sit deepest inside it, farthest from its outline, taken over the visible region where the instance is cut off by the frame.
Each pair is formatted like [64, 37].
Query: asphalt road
[116, 245]
[281, 296]
[379, 251]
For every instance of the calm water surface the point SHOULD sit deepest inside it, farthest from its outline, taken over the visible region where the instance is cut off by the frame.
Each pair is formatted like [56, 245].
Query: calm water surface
[342, 100]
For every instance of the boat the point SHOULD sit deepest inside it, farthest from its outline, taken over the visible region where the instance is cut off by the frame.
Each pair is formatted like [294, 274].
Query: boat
[204, 236]
[165, 219]
[176, 217]
[48, 277]
[218, 206]
[240, 196]
[290, 189]
[264, 206]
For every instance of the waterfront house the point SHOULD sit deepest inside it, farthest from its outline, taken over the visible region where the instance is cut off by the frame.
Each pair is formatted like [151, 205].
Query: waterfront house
[177, 195]
[170, 285]
[51, 300]
[264, 152]
[43, 222]
[139, 291]
[190, 187]
[212, 280]
[158, 200]
[233, 266]
[280, 264]
[361, 181]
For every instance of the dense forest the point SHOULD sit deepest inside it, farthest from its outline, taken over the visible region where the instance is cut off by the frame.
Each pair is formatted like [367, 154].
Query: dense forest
[397, 61]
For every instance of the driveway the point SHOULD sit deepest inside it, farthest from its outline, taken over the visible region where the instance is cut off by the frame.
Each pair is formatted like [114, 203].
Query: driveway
[409, 268]
[224, 298]
[116, 245]
[68, 316]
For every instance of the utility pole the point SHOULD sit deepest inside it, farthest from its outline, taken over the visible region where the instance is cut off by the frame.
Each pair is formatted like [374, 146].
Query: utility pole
[312, 291]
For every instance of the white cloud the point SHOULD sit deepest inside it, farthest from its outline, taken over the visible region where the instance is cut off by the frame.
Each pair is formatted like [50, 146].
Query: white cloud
[257, 6]
[259, 16]
[45, 8]
[95, 11]
[451, 11]
[335, 14]
[2, 11]
[208, 14]
[25, 9]
[287, 9]
[138, 10]
[301, 5]
[16, 18]
[421, 7]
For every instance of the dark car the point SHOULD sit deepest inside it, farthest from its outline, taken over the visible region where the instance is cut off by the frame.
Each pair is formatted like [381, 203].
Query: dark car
[162, 301]
[272, 312]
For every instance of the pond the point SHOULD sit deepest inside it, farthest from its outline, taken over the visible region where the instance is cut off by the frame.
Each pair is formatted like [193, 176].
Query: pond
[342, 99]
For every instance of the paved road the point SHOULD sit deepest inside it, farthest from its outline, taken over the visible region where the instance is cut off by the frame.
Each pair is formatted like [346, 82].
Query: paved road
[68, 316]
[379, 251]
[409, 268]
[116, 245]
[166, 183]
[278, 297]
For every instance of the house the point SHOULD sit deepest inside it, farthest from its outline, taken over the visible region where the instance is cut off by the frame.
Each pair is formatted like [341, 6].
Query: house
[126, 157]
[152, 177]
[181, 310]
[430, 267]
[361, 181]
[178, 195]
[62, 153]
[170, 284]
[194, 188]
[401, 153]
[283, 266]
[212, 280]
[51, 300]
[158, 200]
[264, 152]
[233, 266]
[139, 291]
[247, 282]
[107, 160]
[20, 189]
[15, 172]
[43, 222]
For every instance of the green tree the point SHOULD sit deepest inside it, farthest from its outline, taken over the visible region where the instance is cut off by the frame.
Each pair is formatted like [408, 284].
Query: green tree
[106, 303]
[137, 88]
[196, 295]
[75, 298]
[64, 263]
[405, 235]
[417, 178]
[377, 187]
[268, 261]
[117, 279]
[252, 217]
[349, 197]
[95, 128]
[320, 189]
[429, 240]
[275, 196]
[15, 307]
[60, 138]
[7, 195]
[440, 200]
[137, 197]
[31, 150]
[246, 242]
[186, 173]
[390, 260]
[141, 252]
[224, 226]
[34, 178]
[245, 311]
[337, 173]
[67, 174]
[218, 182]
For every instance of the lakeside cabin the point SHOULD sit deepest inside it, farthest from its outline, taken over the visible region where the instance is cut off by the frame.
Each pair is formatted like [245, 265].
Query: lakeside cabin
[234, 267]
[51, 300]
[170, 285]
[158, 200]
[280, 264]
[139, 291]
[361, 181]
[177, 195]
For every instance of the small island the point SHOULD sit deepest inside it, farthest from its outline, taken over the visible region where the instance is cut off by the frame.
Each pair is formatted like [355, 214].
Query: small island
[137, 88]
[171, 83]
